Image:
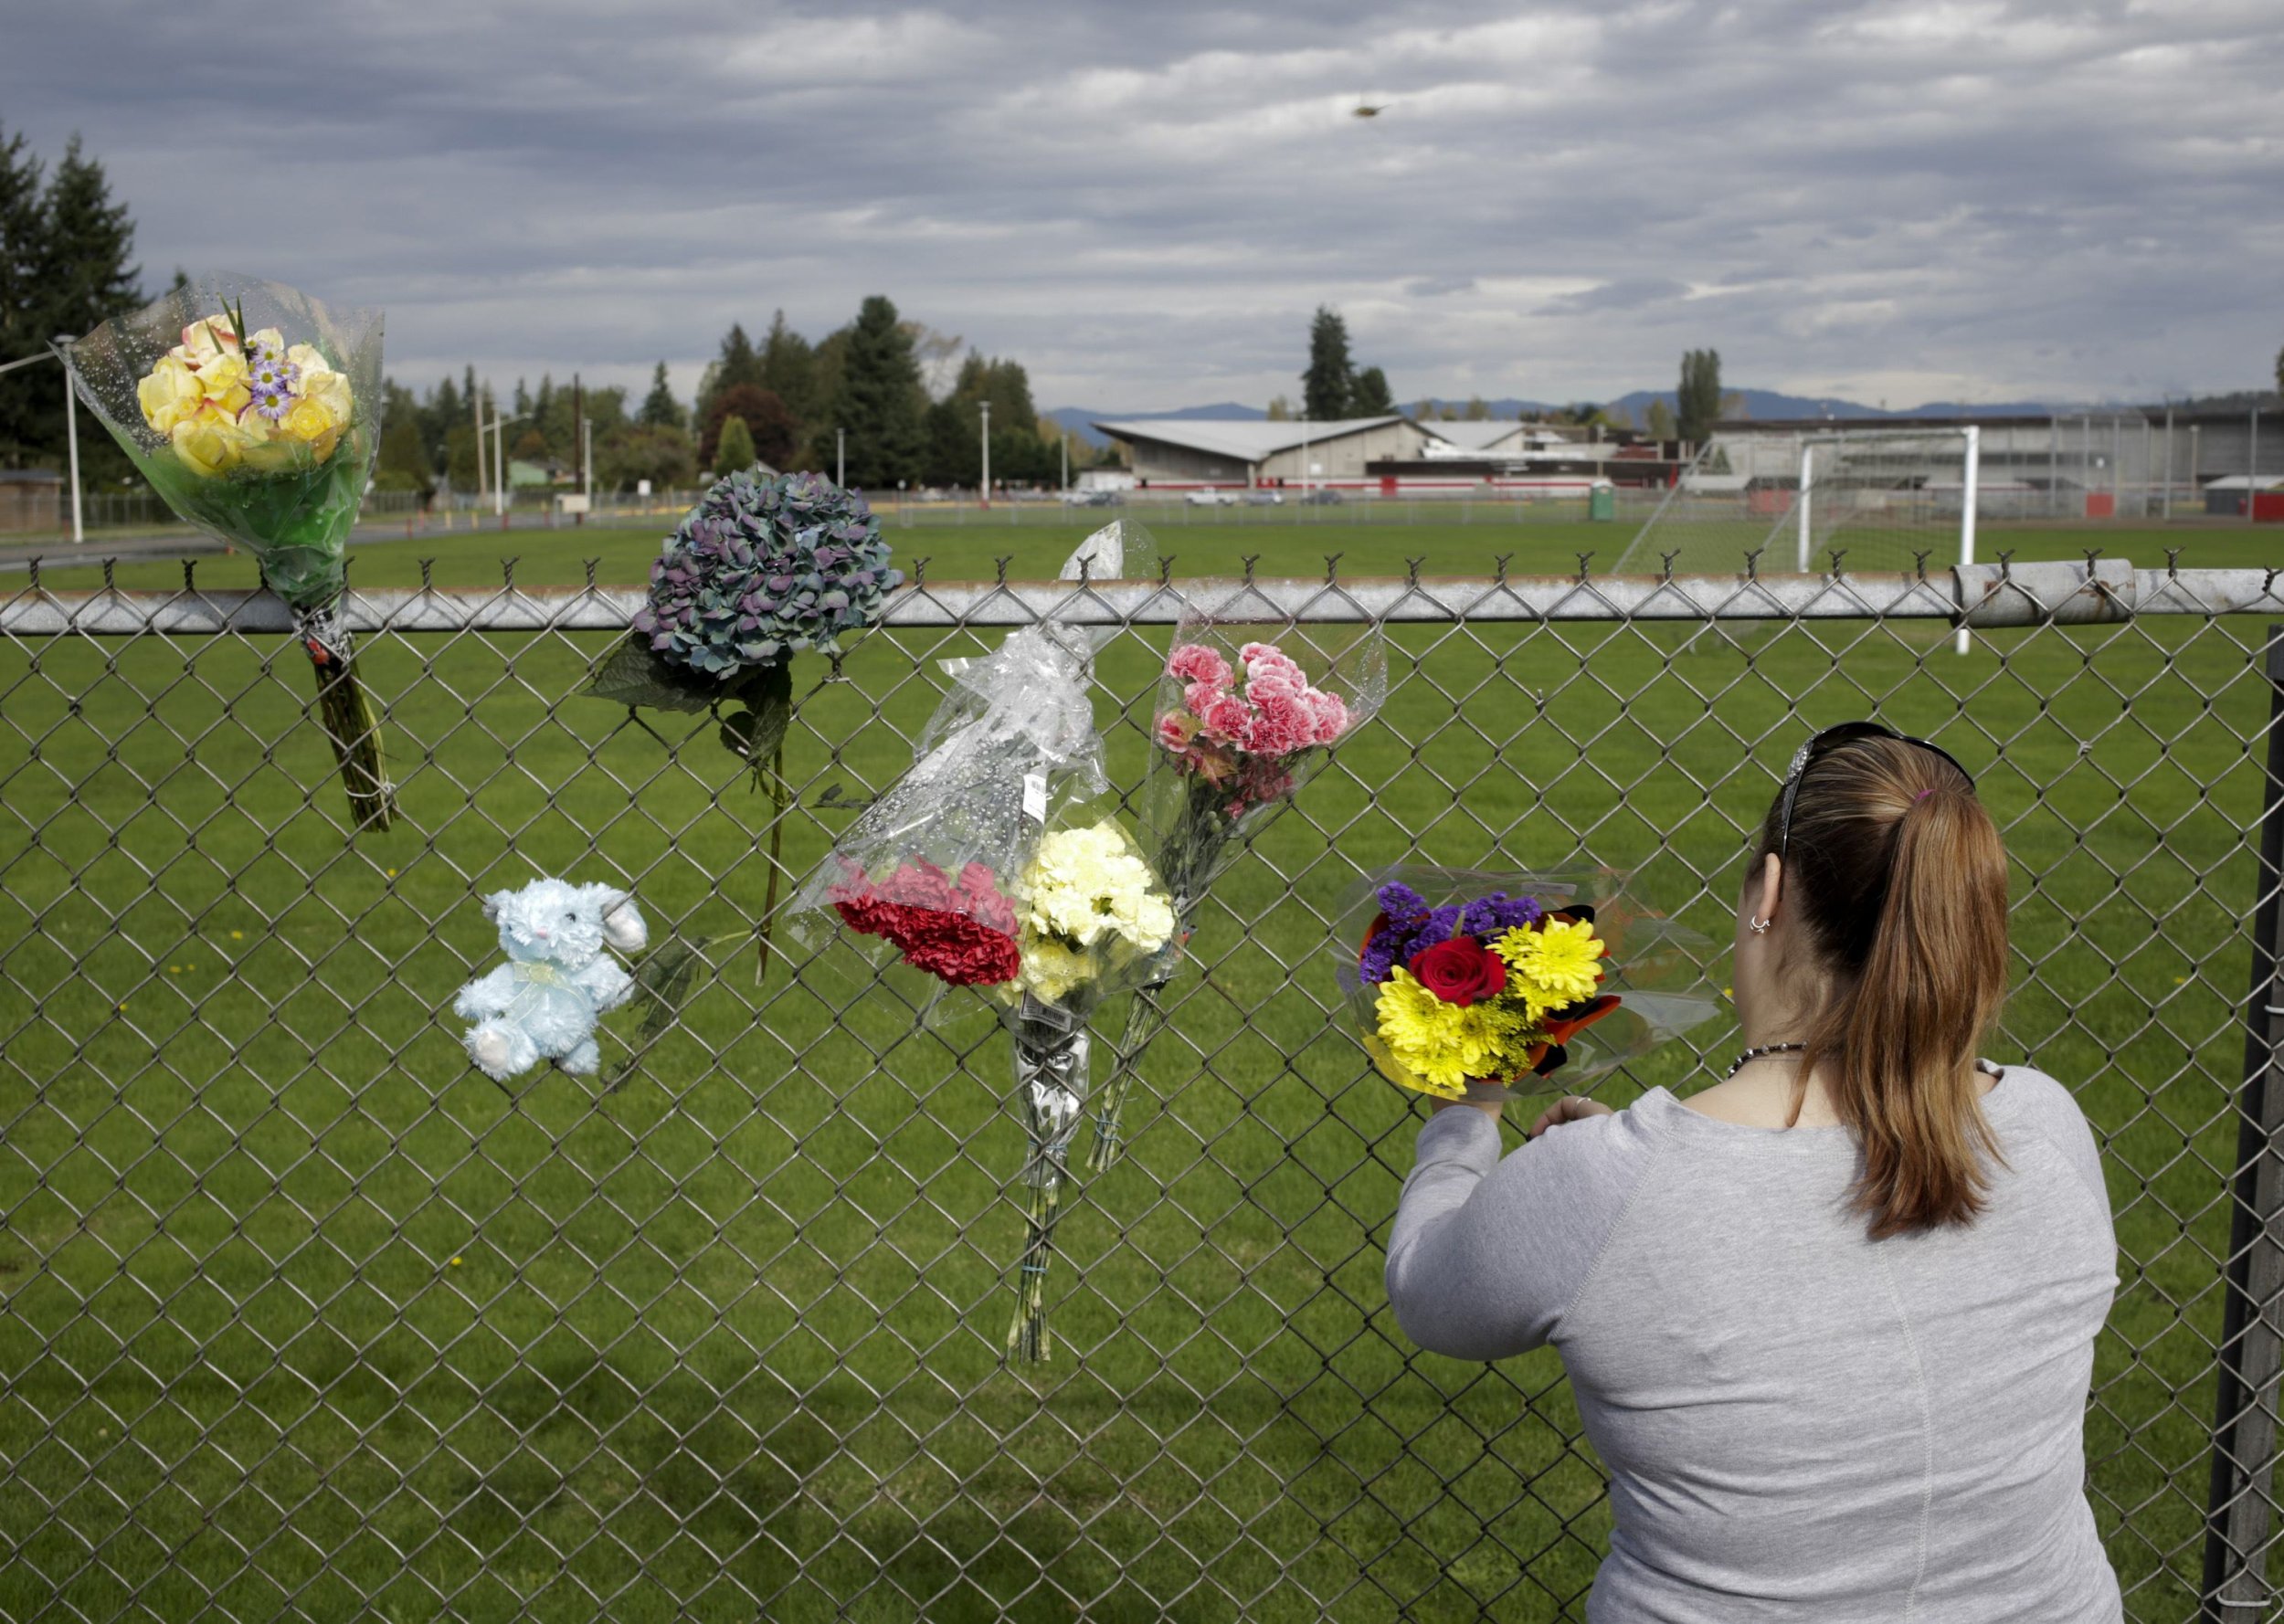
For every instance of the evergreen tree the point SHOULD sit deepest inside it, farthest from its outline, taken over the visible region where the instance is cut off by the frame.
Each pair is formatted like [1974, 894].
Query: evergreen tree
[1280, 409]
[1329, 384]
[788, 369]
[84, 279]
[1478, 409]
[2280, 372]
[879, 402]
[735, 448]
[1657, 420]
[1699, 400]
[64, 268]
[26, 395]
[1373, 397]
[740, 364]
[402, 464]
[523, 407]
[660, 408]
[440, 414]
[459, 456]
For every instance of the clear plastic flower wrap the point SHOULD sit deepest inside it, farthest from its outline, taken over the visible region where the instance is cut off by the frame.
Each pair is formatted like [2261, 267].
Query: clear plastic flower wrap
[998, 863]
[1478, 984]
[255, 411]
[1250, 707]
[932, 875]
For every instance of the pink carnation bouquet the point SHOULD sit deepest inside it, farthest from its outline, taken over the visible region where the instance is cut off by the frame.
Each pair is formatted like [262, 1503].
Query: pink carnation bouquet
[1248, 710]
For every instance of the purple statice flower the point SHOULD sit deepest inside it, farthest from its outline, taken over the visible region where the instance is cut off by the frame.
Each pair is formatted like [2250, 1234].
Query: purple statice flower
[1498, 913]
[1413, 927]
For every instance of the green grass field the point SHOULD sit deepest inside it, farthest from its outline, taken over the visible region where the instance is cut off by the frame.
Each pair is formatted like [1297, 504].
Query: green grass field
[305, 1317]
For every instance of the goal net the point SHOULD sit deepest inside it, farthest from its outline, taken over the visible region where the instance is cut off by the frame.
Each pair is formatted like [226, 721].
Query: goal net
[1875, 499]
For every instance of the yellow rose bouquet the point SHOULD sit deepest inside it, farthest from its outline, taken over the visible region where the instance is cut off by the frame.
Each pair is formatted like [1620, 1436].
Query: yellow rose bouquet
[253, 411]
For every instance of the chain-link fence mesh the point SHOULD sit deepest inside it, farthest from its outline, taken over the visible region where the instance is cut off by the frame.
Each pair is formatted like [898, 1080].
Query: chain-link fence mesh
[303, 1318]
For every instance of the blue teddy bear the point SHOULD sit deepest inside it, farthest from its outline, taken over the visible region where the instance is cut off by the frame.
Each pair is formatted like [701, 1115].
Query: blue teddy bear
[543, 1004]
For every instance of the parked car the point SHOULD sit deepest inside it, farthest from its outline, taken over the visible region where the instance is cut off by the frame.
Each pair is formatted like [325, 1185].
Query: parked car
[1210, 498]
[1091, 499]
[1264, 498]
[1320, 497]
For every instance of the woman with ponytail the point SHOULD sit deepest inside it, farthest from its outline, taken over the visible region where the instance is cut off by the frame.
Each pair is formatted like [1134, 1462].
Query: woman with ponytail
[1831, 1321]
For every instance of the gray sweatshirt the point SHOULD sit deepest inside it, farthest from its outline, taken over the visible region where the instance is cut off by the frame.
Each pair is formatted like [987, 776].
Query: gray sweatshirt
[1799, 1423]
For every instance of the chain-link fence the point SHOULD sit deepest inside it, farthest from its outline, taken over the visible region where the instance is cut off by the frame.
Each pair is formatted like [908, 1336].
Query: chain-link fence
[303, 1318]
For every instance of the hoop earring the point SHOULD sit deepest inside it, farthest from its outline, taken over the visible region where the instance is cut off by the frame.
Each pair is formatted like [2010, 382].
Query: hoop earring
[1759, 927]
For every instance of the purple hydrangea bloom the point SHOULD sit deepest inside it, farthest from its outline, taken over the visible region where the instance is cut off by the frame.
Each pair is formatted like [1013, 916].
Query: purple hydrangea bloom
[761, 569]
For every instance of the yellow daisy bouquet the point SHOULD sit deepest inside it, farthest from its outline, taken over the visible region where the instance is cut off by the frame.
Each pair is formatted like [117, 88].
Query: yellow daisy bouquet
[253, 411]
[1463, 984]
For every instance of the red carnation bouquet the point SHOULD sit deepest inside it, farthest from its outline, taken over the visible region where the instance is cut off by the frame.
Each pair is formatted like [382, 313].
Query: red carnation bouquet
[959, 929]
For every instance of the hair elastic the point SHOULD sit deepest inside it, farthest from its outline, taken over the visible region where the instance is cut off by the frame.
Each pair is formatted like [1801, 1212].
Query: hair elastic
[1921, 795]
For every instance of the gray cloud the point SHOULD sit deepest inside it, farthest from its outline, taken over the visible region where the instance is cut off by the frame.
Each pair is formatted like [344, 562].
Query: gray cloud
[1885, 198]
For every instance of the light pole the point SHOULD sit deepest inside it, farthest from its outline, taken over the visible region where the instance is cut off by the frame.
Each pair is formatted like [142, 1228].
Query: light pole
[1304, 457]
[71, 431]
[984, 495]
[499, 463]
[71, 422]
[841, 457]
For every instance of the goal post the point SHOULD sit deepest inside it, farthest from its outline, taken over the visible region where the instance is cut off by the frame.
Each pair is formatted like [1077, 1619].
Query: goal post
[1786, 501]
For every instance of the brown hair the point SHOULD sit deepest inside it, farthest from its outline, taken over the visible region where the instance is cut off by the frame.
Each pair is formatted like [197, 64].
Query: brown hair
[1899, 877]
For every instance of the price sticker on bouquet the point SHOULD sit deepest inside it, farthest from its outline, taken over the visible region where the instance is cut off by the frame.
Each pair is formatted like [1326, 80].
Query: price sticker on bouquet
[1035, 796]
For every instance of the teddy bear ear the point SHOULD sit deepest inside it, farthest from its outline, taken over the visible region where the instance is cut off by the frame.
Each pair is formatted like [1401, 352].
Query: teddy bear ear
[494, 902]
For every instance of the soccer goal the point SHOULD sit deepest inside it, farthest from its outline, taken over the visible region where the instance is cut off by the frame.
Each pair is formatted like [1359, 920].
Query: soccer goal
[1854, 500]
[1847, 500]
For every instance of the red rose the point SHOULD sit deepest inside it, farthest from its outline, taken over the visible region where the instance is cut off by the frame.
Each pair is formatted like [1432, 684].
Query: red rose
[1460, 971]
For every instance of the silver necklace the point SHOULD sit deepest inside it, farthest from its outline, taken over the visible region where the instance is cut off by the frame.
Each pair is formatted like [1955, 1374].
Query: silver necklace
[1761, 1052]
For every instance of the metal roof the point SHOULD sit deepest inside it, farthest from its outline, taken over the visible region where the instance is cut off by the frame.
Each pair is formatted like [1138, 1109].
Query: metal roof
[1479, 435]
[1246, 440]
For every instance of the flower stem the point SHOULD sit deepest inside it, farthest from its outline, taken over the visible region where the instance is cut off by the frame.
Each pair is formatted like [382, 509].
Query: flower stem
[1051, 1080]
[777, 845]
[346, 714]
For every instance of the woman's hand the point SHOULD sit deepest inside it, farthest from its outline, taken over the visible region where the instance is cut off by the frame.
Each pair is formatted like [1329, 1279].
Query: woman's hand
[1569, 1108]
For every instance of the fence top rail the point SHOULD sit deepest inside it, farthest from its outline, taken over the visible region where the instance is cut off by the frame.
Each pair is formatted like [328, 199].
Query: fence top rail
[1991, 595]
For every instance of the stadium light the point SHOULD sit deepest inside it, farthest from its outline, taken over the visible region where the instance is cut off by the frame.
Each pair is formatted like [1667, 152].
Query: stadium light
[983, 495]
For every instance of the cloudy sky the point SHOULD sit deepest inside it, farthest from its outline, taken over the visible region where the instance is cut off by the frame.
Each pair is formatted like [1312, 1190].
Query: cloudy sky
[1894, 200]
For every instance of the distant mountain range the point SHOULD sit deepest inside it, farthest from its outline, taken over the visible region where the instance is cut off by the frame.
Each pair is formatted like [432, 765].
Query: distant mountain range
[1758, 403]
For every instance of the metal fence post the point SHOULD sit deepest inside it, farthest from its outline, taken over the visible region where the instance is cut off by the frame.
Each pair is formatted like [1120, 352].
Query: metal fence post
[2239, 1529]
